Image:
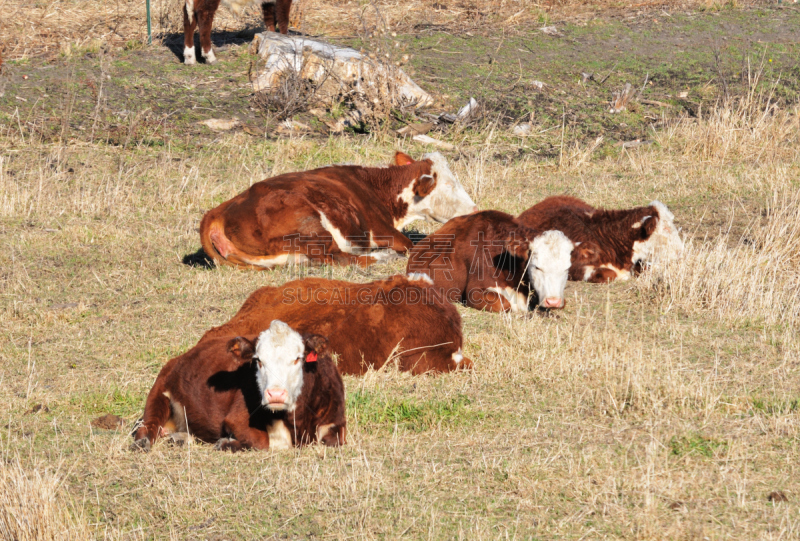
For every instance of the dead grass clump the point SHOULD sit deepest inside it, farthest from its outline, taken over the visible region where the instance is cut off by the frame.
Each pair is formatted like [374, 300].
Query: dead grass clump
[31, 510]
[756, 276]
[750, 128]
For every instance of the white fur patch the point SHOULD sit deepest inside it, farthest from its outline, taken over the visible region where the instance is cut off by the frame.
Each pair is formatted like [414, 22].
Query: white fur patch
[188, 56]
[419, 277]
[324, 430]
[621, 274]
[209, 56]
[279, 352]
[344, 245]
[447, 200]
[268, 262]
[548, 268]
[458, 356]
[517, 301]
[664, 245]
[190, 10]
[280, 438]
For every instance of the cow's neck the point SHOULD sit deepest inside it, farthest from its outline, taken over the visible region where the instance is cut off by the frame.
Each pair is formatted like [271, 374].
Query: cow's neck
[615, 228]
[394, 185]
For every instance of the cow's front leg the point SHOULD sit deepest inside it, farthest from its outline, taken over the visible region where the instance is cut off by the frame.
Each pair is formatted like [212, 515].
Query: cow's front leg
[204, 22]
[189, 25]
[241, 436]
[268, 10]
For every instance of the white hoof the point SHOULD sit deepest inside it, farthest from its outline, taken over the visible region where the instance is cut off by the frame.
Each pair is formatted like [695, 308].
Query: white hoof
[209, 57]
[188, 56]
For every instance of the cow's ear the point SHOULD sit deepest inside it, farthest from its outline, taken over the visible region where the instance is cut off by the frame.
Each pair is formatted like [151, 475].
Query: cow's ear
[315, 344]
[649, 225]
[241, 347]
[517, 245]
[401, 158]
[586, 253]
[424, 185]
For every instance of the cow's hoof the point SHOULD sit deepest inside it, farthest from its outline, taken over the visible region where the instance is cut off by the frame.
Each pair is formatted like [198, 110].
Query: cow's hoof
[142, 444]
[209, 57]
[188, 56]
[178, 438]
[227, 444]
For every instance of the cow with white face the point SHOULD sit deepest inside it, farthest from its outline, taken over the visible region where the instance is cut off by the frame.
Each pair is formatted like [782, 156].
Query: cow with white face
[342, 214]
[279, 390]
[610, 244]
[446, 200]
[548, 267]
[488, 261]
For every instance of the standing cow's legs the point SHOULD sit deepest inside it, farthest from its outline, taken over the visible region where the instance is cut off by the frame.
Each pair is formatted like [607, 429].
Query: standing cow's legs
[277, 13]
[268, 10]
[282, 9]
[205, 20]
[189, 25]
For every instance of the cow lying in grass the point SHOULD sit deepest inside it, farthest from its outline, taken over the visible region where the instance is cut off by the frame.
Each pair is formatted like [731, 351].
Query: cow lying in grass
[613, 243]
[489, 261]
[367, 324]
[342, 214]
[280, 390]
[200, 14]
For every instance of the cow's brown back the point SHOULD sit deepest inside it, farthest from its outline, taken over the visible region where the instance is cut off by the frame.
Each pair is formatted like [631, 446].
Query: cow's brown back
[366, 324]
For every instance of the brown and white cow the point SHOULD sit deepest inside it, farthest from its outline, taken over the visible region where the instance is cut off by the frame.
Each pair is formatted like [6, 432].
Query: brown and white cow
[342, 214]
[279, 390]
[367, 324]
[200, 13]
[489, 261]
[611, 244]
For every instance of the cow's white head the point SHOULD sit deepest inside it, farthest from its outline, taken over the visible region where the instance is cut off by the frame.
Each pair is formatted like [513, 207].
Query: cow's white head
[437, 195]
[548, 267]
[661, 242]
[279, 357]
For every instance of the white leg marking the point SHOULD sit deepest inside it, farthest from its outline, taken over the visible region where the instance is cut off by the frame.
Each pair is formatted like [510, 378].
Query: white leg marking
[323, 431]
[587, 272]
[621, 274]
[209, 56]
[279, 436]
[516, 299]
[188, 56]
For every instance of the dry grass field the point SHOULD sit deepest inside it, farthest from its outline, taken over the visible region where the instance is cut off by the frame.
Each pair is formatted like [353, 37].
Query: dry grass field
[664, 407]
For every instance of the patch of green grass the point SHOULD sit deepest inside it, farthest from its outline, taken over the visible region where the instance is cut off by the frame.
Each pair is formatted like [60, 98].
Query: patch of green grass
[415, 415]
[119, 402]
[696, 444]
[774, 406]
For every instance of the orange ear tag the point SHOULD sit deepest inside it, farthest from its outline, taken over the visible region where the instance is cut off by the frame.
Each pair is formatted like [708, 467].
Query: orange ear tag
[311, 357]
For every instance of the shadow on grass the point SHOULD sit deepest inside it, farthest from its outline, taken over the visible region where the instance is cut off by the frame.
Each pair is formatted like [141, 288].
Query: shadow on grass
[199, 259]
[174, 41]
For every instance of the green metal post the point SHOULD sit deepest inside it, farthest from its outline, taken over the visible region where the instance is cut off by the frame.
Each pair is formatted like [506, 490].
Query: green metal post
[149, 31]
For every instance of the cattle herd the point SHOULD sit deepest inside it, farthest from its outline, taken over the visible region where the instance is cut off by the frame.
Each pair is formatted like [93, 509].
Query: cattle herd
[271, 376]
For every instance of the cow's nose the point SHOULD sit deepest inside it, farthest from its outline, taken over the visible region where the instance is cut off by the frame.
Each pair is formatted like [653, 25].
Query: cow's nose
[553, 302]
[276, 396]
[474, 209]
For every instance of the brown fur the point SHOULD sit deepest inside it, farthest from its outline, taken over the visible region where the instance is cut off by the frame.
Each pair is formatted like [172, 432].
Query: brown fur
[470, 254]
[364, 322]
[606, 236]
[202, 18]
[281, 215]
[214, 386]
